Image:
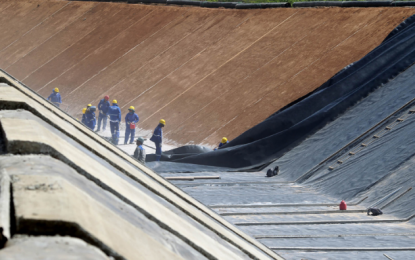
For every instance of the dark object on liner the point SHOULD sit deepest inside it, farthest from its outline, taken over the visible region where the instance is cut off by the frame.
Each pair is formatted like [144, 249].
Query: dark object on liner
[264, 5]
[179, 153]
[317, 3]
[403, 3]
[3, 239]
[218, 4]
[147, 1]
[366, 3]
[271, 172]
[374, 212]
[183, 2]
[343, 4]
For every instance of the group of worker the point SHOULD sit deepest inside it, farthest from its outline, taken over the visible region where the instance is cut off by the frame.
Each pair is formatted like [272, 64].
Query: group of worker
[113, 112]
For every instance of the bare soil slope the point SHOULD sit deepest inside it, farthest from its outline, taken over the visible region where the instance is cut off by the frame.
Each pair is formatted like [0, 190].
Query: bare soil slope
[208, 72]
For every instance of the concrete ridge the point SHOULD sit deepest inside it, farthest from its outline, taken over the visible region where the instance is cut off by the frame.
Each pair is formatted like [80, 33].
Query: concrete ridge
[345, 248]
[283, 205]
[332, 236]
[325, 222]
[295, 212]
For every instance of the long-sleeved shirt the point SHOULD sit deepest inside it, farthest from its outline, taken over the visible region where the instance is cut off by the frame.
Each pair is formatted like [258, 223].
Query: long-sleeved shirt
[140, 154]
[83, 119]
[103, 106]
[131, 118]
[222, 144]
[115, 113]
[157, 135]
[90, 120]
[55, 97]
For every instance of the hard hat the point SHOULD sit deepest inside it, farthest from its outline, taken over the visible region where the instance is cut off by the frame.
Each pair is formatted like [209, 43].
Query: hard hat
[89, 105]
[107, 97]
[114, 101]
[56, 90]
[131, 108]
[224, 140]
[140, 139]
[162, 121]
[83, 110]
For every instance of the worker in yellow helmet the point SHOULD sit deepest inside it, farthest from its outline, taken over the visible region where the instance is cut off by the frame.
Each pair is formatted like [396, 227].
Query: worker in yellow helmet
[103, 106]
[131, 120]
[90, 117]
[83, 116]
[223, 142]
[157, 138]
[55, 97]
[114, 113]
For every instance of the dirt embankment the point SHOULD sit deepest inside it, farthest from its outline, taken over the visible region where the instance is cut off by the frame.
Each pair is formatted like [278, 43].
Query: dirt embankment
[208, 72]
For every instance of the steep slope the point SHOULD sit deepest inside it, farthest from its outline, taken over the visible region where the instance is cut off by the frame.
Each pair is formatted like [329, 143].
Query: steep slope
[208, 72]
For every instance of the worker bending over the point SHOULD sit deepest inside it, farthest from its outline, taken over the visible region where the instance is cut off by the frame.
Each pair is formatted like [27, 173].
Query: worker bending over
[90, 118]
[131, 119]
[83, 116]
[114, 112]
[140, 152]
[55, 97]
[103, 106]
[157, 138]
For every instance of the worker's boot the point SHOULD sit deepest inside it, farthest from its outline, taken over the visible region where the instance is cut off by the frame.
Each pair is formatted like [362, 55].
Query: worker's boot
[158, 157]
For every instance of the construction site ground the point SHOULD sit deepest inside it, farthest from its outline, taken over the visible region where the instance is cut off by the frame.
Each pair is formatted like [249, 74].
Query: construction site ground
[209, 72]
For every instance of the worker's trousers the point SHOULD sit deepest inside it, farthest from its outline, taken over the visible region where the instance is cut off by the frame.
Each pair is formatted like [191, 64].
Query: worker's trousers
[129, 132]
[158, 151]
[104, 118]
[115, 132]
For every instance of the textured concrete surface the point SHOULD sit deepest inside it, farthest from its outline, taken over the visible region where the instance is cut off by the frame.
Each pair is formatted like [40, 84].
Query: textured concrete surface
[21, 97]
[290, 241]
[208, 72]
[50, 248]
[47, 192]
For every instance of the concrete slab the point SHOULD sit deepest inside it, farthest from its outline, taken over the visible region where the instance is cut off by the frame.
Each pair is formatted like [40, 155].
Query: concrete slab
[49, 205]
[255, 194]
[85, 204]
[50, 248]
[5, 206]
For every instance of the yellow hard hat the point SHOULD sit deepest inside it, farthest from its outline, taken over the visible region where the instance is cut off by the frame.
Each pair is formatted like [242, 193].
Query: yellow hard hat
[89, 105]
[224, 140]
[83, 110]
[114, 101]
[162, 121]
[131, 108]
[56, 90]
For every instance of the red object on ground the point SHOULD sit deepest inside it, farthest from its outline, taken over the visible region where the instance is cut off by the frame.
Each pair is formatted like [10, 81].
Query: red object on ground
[343, 205]
[132, 126]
